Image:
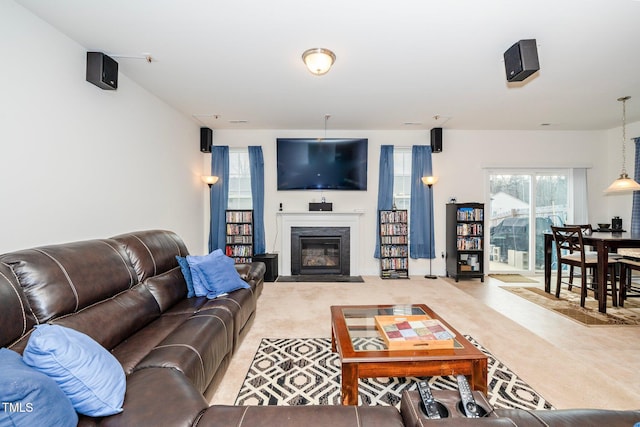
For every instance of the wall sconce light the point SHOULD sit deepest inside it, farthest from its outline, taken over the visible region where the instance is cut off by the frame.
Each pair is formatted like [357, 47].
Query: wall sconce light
[209, 179]
[318, 60]
[429, 180]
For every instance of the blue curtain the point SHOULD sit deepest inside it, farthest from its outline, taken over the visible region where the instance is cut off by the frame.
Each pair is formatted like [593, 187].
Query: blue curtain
[385, 188]
[219, 196]
[635, 211]
[421, 216]
[256, 168]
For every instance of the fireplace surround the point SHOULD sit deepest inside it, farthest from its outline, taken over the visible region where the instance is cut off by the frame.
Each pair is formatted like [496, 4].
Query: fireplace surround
[287, 220]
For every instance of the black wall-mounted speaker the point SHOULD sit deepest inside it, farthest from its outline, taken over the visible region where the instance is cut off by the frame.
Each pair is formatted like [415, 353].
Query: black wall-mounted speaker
[436, 140]
[206, 140]
[521, 60]
[102, 70]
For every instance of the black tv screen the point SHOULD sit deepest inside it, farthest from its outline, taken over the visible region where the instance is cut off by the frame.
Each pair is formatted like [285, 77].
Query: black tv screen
[322, 163]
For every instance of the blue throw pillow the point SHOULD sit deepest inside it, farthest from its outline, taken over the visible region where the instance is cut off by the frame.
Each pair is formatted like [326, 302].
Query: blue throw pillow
[29, 397]
[186, 272]
[214, 274]
[90, 376]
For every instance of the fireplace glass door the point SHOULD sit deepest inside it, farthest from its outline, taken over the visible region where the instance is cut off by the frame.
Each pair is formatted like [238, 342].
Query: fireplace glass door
[321, 254]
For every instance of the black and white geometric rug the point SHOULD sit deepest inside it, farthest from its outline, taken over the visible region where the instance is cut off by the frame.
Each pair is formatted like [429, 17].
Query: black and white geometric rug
[304, 371]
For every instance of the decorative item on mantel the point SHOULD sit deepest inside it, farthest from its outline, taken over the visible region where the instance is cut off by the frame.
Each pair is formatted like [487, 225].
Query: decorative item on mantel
[623, 184]
[322, 206]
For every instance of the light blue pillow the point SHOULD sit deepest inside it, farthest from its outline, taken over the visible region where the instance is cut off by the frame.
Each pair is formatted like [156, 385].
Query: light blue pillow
[29, 397]
[186, 272]
[214, 274]
[87, 373]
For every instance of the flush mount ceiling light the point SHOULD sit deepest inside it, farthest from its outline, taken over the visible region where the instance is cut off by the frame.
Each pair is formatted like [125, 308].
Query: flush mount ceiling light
[623, 184]
[318, 60]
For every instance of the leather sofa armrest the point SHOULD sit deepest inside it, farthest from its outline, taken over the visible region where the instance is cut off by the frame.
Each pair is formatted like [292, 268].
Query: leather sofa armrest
[252, 273]
[413, 416]
[312, 415]
[257, 270]
[243, 270]
[572, 417]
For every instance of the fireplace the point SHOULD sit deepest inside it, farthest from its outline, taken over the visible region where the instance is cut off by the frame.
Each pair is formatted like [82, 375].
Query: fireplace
[322, 220]
[320, 250]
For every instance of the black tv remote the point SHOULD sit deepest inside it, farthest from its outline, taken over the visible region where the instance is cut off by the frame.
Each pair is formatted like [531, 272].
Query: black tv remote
[429, 403]
[468, 402]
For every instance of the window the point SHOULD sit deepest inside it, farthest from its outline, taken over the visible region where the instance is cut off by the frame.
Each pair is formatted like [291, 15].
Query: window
[516, 242]
[239, 179]
[402, 177]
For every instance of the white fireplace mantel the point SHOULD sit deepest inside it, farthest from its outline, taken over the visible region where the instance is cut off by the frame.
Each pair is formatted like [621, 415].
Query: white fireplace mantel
[286, 220]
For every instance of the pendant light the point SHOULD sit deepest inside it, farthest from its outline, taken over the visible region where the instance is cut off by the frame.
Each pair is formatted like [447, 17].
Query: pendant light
[623, 184]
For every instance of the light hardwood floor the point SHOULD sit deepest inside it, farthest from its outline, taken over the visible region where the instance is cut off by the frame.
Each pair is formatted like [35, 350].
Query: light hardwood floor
[570, 365]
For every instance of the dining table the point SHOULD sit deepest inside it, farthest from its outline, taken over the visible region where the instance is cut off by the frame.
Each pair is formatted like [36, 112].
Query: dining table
[604, 242]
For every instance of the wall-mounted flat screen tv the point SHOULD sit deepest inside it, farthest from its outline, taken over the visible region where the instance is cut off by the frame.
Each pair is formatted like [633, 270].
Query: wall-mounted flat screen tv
[322, 163]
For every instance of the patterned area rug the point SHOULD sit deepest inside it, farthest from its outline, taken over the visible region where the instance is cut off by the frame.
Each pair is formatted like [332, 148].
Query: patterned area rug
[569, 306]
[304, 371]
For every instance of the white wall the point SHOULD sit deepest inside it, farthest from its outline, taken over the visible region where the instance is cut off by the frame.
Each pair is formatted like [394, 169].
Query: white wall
[80, 162]
[461, 168]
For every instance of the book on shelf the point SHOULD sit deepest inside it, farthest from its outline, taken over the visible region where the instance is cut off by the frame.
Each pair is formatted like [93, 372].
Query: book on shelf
[393, 251]
[470, 214]
[393, 216]
[393, 229]
[469, 243]
[239, 229]
[239, 251]
[469, 229]
[393, 240]
[239, 216]
[394, 263]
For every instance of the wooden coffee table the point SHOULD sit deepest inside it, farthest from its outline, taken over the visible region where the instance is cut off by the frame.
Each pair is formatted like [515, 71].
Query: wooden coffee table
[363, 353]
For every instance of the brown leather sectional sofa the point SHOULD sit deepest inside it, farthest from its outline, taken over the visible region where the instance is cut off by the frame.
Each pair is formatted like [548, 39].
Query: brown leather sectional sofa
[128, 294]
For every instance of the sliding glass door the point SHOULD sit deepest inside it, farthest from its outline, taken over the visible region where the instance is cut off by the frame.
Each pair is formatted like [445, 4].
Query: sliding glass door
[523, 205]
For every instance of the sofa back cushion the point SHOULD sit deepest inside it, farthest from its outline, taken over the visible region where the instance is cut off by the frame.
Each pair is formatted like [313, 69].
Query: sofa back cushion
[113, 320]
[152, 252]
[16, 317]
[153, 255]
[167, 288]
[62, 279]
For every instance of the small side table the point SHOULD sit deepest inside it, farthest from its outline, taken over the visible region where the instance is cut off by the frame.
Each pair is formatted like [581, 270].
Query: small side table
[271, 261]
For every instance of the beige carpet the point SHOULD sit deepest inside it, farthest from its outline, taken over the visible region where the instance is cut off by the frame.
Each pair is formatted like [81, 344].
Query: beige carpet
[554, 355]
[512, 278]
[569, 305]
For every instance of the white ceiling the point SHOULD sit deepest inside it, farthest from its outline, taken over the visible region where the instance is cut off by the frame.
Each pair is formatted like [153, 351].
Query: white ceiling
[397, 61]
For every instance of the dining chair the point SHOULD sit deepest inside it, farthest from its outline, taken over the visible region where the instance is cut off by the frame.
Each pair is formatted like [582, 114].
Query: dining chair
[587, 230]
[629, 263]
[570, 251]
